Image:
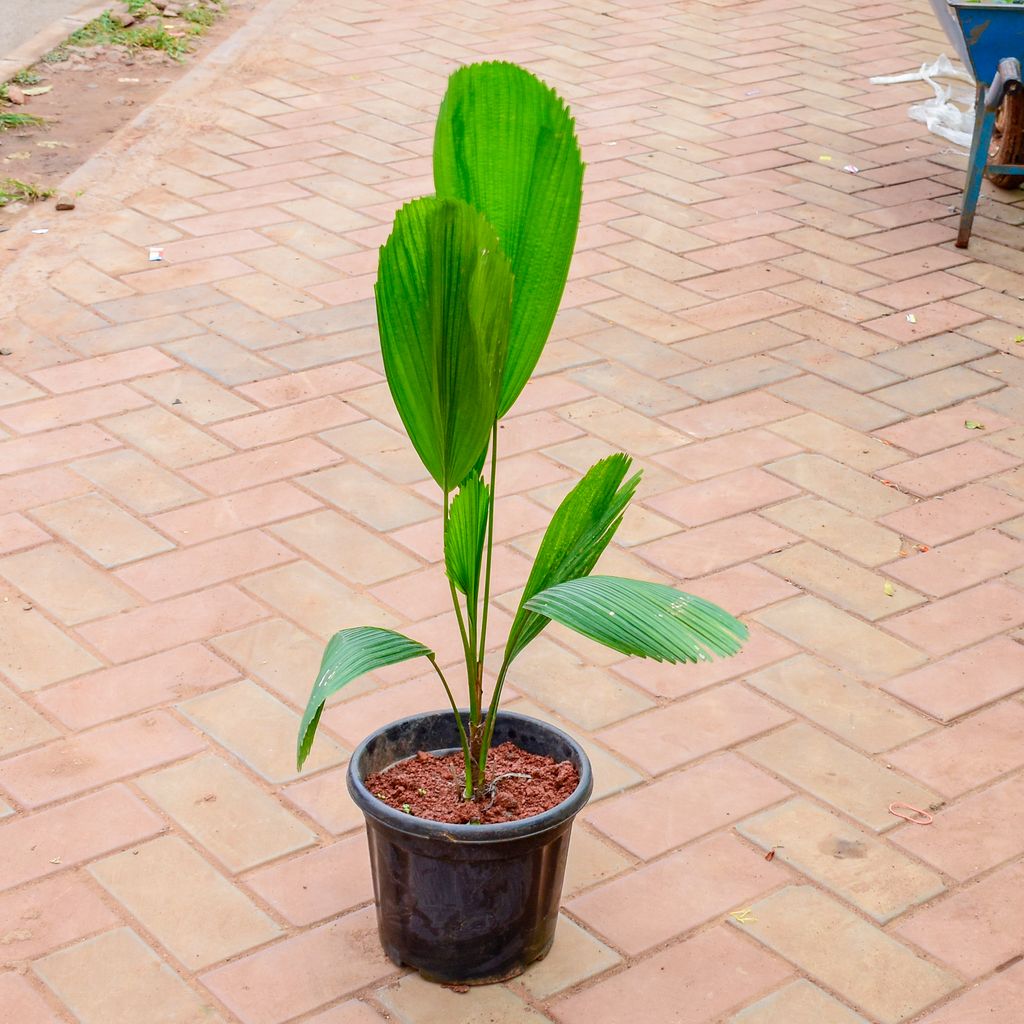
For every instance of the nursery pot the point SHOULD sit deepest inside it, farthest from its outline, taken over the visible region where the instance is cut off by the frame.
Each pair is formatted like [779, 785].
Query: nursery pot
[466, 904]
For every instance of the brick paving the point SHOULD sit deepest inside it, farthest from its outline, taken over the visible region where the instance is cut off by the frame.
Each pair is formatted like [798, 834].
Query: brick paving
[203, 478]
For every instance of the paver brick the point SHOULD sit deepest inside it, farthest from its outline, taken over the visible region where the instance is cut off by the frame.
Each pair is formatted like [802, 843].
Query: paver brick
[847, 955]
[40, 844]
[800, 1002]
[708, 878]
[943, 471]
[23, 1001]
[415, 1001]
[838, 775]
[976, 929]
[685, 805]
[317, 885]
[859, 714]
[194, 912]
[235, 820]
[65, 767]
[321, 965]
[854, 864]
[670, 736]
[140, 986]
[694, 981]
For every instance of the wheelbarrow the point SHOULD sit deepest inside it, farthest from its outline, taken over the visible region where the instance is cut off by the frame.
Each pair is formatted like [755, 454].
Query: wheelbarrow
[991, 34]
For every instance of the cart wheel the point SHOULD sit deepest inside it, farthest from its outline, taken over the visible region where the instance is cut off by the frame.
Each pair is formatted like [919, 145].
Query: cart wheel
[1008, 140]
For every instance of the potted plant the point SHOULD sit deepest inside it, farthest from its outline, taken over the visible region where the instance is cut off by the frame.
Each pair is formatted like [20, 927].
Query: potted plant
[468, 286]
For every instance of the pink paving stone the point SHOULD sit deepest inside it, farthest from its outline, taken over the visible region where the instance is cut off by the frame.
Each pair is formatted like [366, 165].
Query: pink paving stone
[975, 834]
[39, 487]
[207, 520]
[170, 623]
[968, 680]
[925, 434]
[945, 470]
[970, 753]
[313, 886]
[731, 414]
[977, 929]
[997, 999]
[68, 766]
[300, 387]
[685, 805]
[51, 913]
[665, 680]
[88, 373]
[707, 879]
[53, 840]
[215, 245]
[303, 972]
[704, 549]
[671, 736]
[287, 422]
[178, 572]
[962, 563]
[275, 462]
[53, 446]
[742, 491]
[935, 318]
[113, 692]
[962, 619]
[742, 588]
[23, 1001]
[952, 515]
[17, 532]
[726, 454]
[46, 414]
[692, 982]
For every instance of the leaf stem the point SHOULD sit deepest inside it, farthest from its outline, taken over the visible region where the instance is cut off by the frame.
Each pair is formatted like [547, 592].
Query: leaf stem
[467, 792]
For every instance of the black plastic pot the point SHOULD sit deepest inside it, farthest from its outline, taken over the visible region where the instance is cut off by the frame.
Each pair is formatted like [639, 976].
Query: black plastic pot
[466, 904]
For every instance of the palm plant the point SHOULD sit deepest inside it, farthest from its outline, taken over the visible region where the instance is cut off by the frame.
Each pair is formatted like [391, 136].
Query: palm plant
[468, 286]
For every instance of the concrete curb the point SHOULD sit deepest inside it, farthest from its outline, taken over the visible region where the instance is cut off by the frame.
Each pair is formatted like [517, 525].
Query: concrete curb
[42, 42]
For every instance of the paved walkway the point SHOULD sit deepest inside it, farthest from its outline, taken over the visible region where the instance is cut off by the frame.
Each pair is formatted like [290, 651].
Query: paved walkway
[202, 479]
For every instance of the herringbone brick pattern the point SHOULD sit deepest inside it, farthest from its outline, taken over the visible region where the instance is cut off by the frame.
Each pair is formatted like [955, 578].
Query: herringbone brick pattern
[203, 478]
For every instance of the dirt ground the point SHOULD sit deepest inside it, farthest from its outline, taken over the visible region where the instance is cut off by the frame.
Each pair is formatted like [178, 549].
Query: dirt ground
[94, 92]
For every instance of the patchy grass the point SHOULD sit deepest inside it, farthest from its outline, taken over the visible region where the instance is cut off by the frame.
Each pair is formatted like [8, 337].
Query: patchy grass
[12, 191]
[104, 31]
[26, 76]
[9, 120]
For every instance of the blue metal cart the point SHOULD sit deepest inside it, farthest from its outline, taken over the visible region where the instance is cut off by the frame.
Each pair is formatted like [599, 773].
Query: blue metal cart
[993, 39]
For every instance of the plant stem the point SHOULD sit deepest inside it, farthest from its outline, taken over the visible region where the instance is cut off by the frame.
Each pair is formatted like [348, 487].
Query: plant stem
[492, 714]
[490, 549]
[467, 792]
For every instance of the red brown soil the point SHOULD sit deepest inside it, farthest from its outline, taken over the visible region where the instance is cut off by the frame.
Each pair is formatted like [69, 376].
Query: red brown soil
[430, 786]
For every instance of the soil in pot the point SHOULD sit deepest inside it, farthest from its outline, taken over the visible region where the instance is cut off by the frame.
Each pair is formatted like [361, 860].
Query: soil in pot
[519, 785]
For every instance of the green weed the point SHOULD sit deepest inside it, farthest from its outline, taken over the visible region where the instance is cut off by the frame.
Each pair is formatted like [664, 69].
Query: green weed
[26, 76]
[8, 120]
[104, 31]
[12, 191]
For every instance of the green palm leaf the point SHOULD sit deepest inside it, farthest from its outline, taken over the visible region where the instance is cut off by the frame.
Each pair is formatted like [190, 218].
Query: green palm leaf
[443, 305]
[464, 534]
[649, 620]
[581, 528]
[349, 654]
[505, 143]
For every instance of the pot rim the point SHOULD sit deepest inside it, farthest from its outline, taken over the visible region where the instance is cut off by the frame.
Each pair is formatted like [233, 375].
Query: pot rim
[497, 832]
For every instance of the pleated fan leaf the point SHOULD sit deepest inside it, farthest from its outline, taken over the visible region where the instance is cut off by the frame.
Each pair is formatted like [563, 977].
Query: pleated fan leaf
[648, 620]
[581, 528]
[505, 143]
[444, 294]
[351, 653]
[464, 536]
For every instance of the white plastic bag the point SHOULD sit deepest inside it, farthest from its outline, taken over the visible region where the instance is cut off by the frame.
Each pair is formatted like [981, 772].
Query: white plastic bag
[941, 114]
